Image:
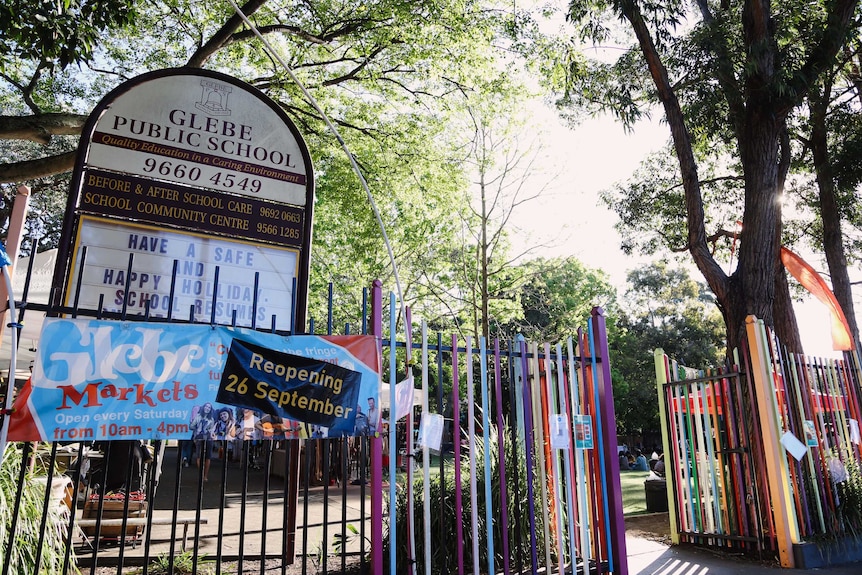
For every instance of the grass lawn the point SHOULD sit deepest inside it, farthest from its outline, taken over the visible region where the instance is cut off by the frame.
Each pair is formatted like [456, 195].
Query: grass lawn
[634, 496]
[632, 483]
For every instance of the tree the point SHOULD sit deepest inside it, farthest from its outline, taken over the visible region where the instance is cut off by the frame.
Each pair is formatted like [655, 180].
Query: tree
[758, 64]
[832, 137]
[559, 294]
[664, 308]
[423, 192]
[55, 34]
[504, 176]
[384, 69]
[402, 53]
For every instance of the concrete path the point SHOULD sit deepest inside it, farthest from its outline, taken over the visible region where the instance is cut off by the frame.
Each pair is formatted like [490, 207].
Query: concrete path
[651, 558]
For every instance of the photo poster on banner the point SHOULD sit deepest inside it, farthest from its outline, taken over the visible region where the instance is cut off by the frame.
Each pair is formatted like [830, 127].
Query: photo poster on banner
[101, 380]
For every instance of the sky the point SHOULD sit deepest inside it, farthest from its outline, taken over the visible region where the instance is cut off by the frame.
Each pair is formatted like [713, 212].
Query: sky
[589, 158]
[569, 218]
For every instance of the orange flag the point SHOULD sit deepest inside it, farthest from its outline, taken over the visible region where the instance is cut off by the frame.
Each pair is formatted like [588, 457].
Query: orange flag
[811, 280]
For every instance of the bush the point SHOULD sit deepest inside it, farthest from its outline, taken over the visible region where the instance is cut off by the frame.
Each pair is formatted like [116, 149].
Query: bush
[22, 555]
[444, 559]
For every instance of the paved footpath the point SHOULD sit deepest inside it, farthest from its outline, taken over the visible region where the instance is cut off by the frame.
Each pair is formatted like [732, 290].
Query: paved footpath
[652, 558]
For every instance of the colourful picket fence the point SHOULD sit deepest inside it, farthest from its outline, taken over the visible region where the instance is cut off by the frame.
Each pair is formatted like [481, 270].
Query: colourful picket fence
[763, 455]
[533, 481]
[710, 470]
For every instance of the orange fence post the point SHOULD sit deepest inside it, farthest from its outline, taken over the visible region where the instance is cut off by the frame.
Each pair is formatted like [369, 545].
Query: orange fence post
[780, 492]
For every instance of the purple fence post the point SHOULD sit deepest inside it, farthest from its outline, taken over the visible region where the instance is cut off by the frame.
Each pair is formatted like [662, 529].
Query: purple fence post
[377, 444]
[501, 436]
[528, 445]
[456, 445]
[606, 412]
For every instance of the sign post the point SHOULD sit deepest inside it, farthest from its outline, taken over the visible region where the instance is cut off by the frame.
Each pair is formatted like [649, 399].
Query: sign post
[192, 198]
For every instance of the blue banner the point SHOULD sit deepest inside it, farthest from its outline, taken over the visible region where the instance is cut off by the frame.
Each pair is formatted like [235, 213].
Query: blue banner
[96, 380]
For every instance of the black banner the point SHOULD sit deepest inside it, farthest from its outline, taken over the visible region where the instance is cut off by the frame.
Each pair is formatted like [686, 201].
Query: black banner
[290, 386]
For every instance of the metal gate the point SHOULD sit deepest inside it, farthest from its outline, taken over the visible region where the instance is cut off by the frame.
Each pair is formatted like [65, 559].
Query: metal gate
[709, 460]
[525, 476]
[765, 458]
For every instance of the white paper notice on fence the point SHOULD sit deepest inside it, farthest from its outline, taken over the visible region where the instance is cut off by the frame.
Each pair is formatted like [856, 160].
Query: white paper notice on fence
[854, 431]
[560, 432]
[404, 397]
[795, 447]
[431, 431]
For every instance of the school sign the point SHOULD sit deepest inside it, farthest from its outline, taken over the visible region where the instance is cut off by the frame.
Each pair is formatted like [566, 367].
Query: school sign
[192, 195]
[191, 201]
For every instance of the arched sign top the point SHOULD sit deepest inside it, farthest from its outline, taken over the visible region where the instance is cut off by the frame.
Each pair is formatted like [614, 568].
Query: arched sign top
[193, 171]
[214, 132]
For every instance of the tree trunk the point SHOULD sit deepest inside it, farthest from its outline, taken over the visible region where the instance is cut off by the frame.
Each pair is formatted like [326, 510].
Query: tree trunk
[753, 284]
[732, 308]
[833, 245]
[483, 270]
[758, 110]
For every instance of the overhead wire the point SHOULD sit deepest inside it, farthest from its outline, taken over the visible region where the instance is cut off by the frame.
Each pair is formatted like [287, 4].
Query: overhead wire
[313, 102]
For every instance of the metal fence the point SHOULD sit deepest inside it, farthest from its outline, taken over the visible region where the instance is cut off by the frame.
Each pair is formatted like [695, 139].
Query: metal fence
[765, 455]
[711, 467]
[524, 477]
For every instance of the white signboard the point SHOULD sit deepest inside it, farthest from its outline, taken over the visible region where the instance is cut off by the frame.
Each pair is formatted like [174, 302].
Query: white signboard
[154, 252]
[202, 132]
[793, 446]
[431, 431]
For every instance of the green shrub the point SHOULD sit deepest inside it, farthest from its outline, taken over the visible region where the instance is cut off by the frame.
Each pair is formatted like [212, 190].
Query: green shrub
[183, 564]
[849, 509]
[444, 517]
[22, 556]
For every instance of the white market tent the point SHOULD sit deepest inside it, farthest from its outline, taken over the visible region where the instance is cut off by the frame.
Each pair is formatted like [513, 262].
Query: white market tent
[385, 394]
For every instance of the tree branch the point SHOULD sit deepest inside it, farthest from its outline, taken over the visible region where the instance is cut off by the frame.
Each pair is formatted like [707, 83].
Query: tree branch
[343, 30]
[26, 91]
[223, 35]
[722, 233]
[355, 71]
[31, 169]
[712, 272]
[724, 70]
[41, 127]
[832, 38]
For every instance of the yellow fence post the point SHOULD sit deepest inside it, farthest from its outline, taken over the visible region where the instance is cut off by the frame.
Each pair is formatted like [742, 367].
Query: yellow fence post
[661, 380]
[780, 493]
